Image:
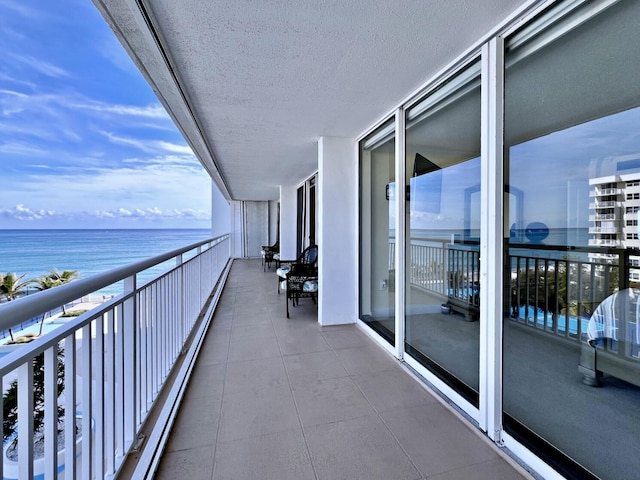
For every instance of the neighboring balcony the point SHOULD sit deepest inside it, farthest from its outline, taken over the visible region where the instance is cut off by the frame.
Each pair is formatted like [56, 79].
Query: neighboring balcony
[603, 217]
[598, 242]
[610, 230]
[601, 192]
[603, 204]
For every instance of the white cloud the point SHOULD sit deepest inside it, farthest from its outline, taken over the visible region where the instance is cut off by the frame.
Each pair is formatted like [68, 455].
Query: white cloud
[149, 111]
[172, 147]
[22, 213]
[21, 149]
[159, 182]
[41, 66]
[22, 9]
[149, 146]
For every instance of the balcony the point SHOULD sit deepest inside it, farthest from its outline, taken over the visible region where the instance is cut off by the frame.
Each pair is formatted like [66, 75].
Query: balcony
[252, 393]
[610, 230]
[282, 398]
[598, 242]
[603, 204]
[601, 192]
[209, 381]
[602, 217]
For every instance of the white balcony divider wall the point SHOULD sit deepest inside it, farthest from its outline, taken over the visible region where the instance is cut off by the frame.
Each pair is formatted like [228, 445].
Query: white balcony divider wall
[221, 218]
[117, 358]
[250, 228]
[337, 231]
[288, 221]
[274, 221]
[566, 74]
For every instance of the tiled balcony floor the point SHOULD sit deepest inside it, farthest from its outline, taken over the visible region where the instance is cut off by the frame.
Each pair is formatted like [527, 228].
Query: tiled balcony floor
[277, 398]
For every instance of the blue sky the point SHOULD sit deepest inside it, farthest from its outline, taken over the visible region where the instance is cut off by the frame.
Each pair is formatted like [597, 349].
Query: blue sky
[84, 142]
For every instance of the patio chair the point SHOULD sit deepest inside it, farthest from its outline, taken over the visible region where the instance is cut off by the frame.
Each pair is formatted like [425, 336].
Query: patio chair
[301, 281]
[308, 257]
[269, 252]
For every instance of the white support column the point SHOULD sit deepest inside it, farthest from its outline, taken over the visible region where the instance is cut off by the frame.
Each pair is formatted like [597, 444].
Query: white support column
[288, 221]
[491, 233]
[337, 235]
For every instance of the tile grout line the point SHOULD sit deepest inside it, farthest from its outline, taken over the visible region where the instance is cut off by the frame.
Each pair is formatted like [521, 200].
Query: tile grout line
[224, 381]
[293, 397]
[351, 376]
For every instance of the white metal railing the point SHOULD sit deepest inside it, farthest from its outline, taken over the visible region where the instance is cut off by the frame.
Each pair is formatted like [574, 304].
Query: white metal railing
[604, 216]
[598, 242]
[599, 192]
[115, 360]
[603, 204]
[611, 230]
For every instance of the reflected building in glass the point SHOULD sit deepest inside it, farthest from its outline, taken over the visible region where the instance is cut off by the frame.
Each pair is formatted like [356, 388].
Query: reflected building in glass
[614, 205]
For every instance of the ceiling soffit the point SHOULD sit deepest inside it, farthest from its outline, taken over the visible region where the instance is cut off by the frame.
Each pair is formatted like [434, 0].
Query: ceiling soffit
[253, 86]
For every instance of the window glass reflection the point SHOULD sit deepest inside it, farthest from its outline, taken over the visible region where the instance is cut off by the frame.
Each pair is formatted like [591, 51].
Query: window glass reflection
[443, 232]
[572, 266]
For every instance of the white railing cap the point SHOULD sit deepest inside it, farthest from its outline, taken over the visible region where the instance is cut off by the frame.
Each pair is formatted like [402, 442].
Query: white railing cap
[22, 309]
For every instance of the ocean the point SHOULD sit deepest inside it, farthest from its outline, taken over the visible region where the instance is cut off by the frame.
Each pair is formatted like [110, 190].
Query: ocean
[37, 252]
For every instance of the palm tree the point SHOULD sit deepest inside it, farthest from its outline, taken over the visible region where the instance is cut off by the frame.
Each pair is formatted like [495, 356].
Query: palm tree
[54, 278]
[10, 398]
[12, 286]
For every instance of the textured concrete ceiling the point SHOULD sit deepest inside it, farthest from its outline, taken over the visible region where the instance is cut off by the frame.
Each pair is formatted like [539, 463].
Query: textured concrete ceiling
[253, 84]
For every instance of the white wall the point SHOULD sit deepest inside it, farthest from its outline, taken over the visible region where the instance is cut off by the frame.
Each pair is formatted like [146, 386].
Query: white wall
[288, 221]
[236, 228]
[337, 230]
[220, 212]
[273, 221]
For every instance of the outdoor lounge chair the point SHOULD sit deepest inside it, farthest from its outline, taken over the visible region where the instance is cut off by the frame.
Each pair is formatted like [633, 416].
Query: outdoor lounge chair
[299, 277]
[301, 281]
[269, 252]
[308, 257]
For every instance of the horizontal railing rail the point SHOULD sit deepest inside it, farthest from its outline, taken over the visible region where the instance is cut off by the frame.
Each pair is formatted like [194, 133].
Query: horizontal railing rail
[25, 308]
[112, 361]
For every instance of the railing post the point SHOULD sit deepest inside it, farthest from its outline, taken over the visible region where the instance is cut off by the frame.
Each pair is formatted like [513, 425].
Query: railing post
[70, 406]
[445, 269]
[51, 410]
[129, 356]
[623, 269]
[181, 304]
[25, 414]
[87, 407]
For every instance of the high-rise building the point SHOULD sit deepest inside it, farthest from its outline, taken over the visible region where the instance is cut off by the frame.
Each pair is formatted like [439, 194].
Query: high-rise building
[614, 207]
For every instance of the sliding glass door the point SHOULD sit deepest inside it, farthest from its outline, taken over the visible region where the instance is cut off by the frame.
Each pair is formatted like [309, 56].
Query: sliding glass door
[572, 123]
[377, 231]
[443, 232]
